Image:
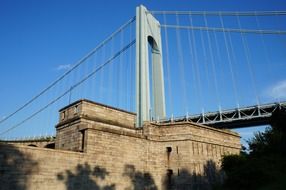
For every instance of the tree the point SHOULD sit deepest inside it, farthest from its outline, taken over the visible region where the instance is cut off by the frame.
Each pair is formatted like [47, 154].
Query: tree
[264, 167]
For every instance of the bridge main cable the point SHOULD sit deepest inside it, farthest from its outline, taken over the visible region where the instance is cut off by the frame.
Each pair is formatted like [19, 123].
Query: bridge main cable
[81, 61]
[214, 29]
[100, 67]
[222, 13]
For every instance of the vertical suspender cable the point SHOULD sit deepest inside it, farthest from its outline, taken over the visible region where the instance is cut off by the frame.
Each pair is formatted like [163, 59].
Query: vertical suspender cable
[132, 73]
[192, 62]
[128, 76]
[212, 64]
[131, 62]
[75, 93]
[229, 63]
[95, 78]
[83, 91]
[181, 65]
[247, 55]
[196, 64]
[125, 74]
[121, 69]
[205, 59]
[170, 98]
[119, 95]
[50, 111]
[232, 56]
[101, 78]
[111, 80]
[45, 119]
[265, 50]
[106, 86]
[219, 60]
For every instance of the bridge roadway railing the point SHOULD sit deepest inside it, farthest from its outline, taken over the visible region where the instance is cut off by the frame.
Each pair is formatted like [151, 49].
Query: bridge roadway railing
[37, 141]
[233, 118]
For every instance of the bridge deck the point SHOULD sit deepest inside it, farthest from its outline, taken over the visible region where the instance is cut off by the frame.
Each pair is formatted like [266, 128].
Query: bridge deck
[234, 118]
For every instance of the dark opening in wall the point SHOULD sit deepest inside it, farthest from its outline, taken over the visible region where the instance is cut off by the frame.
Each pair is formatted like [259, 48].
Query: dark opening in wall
[169, 178]
[50, 145]
[169, 149]
[32, 145]
[169, 172]
[177, 149]
[82, 140]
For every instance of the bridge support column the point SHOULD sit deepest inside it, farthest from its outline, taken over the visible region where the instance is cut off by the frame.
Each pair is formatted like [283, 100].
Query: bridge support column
[148, 32]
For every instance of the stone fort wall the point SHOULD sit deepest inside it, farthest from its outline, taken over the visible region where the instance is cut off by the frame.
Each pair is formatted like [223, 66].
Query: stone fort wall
[98, 147]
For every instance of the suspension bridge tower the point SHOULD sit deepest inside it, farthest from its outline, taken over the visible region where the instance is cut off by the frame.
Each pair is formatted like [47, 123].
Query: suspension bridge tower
[148, 33]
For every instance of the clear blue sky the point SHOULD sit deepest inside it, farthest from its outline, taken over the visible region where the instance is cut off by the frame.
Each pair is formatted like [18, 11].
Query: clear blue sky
[36, 37]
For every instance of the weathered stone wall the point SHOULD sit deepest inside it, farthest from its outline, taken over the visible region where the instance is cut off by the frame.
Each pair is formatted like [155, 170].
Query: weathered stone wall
[76, 118]
[71, 137]
[23, 167]
[190, 153]
[107, 151]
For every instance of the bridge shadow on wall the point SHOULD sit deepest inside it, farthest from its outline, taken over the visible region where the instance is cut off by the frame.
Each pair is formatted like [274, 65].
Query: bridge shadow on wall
[15, 168]
[85, 177]
[139, 180]
[210, 179]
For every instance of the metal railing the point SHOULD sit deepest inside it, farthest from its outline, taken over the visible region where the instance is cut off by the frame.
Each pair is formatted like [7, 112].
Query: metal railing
[233, 118]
